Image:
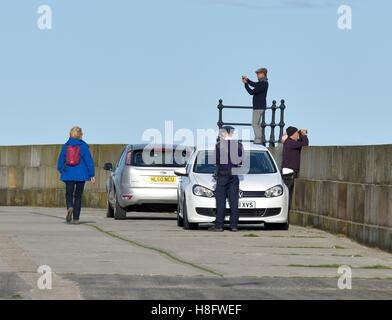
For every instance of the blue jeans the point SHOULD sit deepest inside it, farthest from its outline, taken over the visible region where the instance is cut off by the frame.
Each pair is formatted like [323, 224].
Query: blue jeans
[73, 196]
[227, 187]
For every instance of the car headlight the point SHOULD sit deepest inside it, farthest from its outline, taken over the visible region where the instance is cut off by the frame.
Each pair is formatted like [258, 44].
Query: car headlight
[274, 191]
[201, 191]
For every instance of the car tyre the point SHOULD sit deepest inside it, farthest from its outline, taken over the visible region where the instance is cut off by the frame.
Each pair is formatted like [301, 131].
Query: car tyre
[109, 210]
[187, 225]
[119, 212]
[180, 220]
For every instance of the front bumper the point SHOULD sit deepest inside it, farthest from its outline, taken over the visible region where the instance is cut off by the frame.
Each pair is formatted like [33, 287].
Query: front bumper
[270, 210]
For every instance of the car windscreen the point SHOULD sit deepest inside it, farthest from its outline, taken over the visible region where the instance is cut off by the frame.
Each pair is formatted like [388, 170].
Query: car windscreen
[254, 162]
[160, 158]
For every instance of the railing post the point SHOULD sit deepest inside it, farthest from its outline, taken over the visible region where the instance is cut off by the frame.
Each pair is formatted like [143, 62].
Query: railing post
[263, 125]
[282, 107]
[220, 108]
[273, 125]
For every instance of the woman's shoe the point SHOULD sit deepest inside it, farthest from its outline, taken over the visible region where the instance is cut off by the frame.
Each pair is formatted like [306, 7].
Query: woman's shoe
[68, 218]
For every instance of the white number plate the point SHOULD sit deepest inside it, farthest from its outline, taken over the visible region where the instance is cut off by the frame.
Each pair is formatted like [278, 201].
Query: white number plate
[244, 205]
[247, 205]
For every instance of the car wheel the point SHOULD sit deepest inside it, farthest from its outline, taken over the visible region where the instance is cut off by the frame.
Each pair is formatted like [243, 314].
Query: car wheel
[119, 213]
[277, 226]
[180, 220]
[109, 210]
[187, 225]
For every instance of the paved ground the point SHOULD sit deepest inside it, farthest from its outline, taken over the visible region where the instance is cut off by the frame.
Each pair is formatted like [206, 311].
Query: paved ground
[148, 257]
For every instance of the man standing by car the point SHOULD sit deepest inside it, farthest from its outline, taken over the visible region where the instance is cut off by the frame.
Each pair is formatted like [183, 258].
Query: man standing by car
[294, 140]
[228, 156]
[259, 92]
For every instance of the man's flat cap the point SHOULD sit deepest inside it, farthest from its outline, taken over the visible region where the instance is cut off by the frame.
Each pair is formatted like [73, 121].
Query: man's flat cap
[262, 70]
[228, 129]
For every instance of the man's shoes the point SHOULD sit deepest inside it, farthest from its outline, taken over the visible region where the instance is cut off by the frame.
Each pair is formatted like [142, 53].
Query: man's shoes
[68, 218]
[214, 229]
[233, 229]
[75, 222]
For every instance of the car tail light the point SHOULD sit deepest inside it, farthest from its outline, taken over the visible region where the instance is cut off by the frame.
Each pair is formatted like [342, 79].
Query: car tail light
[126, 196]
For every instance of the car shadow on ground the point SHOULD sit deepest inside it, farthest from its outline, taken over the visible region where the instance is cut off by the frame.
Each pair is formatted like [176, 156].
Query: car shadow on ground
[150, 218]
[204, 227]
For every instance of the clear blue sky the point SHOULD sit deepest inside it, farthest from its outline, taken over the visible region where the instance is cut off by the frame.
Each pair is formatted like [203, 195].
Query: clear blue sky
[119, 67]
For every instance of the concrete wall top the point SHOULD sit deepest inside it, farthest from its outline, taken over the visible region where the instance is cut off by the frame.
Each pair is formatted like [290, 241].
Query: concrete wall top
[357, 164]
[47, 155]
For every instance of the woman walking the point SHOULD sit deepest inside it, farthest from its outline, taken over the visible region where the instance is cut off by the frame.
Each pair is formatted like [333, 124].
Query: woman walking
[76, 166]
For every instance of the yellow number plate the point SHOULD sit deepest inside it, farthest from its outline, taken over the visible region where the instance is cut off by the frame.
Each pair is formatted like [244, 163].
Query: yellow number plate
[163, 179]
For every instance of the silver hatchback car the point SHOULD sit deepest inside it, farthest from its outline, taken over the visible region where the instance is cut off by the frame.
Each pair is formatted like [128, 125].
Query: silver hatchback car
[143, 179]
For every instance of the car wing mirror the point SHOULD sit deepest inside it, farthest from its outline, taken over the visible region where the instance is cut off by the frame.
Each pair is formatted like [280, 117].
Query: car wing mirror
[181, 172]
[108, 166]
[286, 172]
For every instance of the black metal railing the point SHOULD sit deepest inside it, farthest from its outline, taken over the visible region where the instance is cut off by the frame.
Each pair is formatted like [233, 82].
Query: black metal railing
[273, 124]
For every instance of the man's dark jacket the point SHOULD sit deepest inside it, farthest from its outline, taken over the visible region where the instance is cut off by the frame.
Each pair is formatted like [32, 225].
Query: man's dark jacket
[228, 155]
[259, 93]
[292, 152]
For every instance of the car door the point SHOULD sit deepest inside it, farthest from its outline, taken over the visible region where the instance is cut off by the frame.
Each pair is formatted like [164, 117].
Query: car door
[114, 176]
[184, 183]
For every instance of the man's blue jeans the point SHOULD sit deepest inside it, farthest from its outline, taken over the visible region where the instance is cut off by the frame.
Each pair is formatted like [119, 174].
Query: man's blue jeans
[227, 187]
[73, 196]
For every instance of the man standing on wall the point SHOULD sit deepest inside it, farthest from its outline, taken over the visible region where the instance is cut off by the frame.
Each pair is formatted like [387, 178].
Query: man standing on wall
[259, 92]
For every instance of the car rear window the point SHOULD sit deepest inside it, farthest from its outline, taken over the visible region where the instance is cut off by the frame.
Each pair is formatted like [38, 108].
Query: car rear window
[160, 158]
[254, 162]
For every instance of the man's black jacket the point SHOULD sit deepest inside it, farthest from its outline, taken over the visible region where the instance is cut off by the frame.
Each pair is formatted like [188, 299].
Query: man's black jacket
[259, 93]
[229, 154]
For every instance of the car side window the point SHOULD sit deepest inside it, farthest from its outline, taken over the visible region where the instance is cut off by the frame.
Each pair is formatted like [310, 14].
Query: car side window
[121, 158]
[188, 166]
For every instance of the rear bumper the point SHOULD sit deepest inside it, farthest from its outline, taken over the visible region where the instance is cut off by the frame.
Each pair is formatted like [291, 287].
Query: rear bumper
[147, 195]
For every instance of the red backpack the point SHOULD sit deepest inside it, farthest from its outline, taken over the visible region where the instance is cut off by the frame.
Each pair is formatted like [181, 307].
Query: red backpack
[73, 156]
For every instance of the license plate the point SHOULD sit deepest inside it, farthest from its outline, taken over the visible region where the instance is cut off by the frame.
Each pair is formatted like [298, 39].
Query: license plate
[244, 205]
[163, 179]
[247, 205]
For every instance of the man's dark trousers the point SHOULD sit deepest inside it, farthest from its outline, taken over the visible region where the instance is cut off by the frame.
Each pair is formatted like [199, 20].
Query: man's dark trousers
[73, 196]
[227, 187]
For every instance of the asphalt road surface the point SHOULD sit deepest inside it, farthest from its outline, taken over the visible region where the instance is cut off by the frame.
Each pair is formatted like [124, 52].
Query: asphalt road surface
[148, 257]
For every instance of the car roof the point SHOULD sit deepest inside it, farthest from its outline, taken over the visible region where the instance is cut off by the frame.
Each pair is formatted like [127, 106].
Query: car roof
[142, 146]
[247, 146]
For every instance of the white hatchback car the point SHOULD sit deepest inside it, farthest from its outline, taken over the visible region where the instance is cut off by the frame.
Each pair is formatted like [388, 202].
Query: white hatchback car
[264, 197]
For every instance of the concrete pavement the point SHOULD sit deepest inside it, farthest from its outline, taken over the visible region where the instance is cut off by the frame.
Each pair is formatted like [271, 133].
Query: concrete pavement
[148, 257]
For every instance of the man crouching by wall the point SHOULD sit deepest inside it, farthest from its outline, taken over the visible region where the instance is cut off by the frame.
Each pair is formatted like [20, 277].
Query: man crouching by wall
[293, 142]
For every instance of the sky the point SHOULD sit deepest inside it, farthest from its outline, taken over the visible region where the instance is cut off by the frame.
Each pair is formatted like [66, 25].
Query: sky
[119, 67]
